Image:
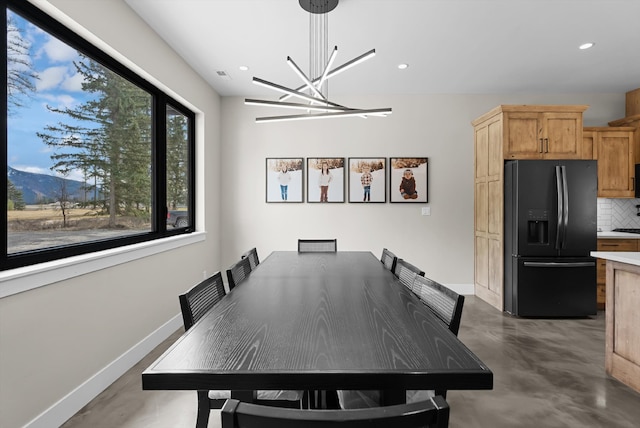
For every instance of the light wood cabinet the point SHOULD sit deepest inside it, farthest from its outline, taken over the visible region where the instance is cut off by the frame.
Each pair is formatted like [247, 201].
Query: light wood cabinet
[622, 337]
[614, 149]
[543, 132]
[610, 245]
[634, 122]
[488, 184]
[504, 133]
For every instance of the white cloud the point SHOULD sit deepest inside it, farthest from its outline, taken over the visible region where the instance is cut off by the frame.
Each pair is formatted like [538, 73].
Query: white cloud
[51, 78]
[73, 83]
[58, 51]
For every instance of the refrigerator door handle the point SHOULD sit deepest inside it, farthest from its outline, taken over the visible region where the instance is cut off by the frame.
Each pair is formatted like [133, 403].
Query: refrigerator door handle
[565, 209]
[559, 264]
[560, 196]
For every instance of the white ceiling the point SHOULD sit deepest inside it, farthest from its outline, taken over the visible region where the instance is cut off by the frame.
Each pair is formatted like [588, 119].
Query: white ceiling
[451, 46]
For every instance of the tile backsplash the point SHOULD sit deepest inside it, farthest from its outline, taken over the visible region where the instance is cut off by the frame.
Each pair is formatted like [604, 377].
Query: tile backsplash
[618, 213]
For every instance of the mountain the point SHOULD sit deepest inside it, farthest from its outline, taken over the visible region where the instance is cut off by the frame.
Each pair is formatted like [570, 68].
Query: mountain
[42, 188]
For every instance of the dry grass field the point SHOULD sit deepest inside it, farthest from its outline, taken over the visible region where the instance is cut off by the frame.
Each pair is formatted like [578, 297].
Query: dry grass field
[35, 212]
[36, 217]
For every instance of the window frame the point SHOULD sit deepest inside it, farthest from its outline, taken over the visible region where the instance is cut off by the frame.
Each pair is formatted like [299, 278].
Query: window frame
[160, 102]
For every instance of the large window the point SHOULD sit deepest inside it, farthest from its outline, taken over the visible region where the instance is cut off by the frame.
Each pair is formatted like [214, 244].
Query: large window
[94, 156]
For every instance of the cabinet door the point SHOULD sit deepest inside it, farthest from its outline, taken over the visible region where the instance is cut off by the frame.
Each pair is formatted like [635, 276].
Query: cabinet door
[616, 168]
[601, 264]
[561, 135]
[523, 136]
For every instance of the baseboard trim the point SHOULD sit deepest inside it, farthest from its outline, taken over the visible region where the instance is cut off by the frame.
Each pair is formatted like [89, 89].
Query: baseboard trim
[466, 289]
[69, 405]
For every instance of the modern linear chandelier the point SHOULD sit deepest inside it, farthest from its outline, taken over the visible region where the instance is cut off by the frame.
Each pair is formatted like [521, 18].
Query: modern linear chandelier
[315, 85]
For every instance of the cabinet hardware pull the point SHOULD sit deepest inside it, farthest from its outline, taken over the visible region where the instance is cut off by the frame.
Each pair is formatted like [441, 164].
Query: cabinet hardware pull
[546, 140]
[633, 183]
[541, 146]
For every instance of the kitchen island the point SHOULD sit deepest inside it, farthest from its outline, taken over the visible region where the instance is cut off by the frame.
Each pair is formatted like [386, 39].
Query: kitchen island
[622, 349]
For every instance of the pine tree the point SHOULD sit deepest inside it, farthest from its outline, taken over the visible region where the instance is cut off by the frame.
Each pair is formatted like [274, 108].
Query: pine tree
[14, 195]
[177, 160]
[20, 74]
[108, 138]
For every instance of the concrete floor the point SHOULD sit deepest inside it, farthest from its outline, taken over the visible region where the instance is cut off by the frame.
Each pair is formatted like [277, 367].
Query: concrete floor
[547, 373]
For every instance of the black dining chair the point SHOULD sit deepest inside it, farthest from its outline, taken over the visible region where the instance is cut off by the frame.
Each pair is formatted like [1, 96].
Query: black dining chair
[443, 301]
[447, 305]
[194, 304]
[238, 272]
[432, 413]
[317, 245]
[406, 272]
[252, 255]
[388, 259]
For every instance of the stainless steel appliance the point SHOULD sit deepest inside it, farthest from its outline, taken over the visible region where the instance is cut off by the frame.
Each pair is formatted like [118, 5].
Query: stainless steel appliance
[550, 229]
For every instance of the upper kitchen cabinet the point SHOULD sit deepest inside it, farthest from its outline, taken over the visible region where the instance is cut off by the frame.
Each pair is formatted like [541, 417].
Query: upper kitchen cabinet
[614, 150]
[543, 131]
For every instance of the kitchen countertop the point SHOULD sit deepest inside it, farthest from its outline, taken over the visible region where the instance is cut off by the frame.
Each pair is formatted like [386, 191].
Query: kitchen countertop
[618, 235]
[632, 258]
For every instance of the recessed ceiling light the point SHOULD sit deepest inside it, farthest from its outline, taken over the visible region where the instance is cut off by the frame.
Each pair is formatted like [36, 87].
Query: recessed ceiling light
[243, 68]
[586, 45]
[403, 66]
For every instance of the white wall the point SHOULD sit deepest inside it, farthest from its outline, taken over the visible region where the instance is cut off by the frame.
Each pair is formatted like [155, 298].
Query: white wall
[55, 338]
[433, 126]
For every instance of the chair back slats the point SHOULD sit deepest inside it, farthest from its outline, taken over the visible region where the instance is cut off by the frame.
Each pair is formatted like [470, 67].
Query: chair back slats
[252, 255]
[388, 259]
[444, 302]
[200, 298]
[317, 245]
[406, 272]
[238, 272]
[432, 413]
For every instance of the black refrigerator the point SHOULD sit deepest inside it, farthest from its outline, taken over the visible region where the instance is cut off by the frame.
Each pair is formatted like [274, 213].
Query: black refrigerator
[550, 229]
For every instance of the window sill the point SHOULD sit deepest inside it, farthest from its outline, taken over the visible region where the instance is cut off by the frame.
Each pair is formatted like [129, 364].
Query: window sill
[29, 277]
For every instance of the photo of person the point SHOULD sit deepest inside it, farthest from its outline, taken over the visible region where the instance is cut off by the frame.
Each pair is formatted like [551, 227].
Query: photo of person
[325, 180]
[409, 180]
[367, 180]
[284, 180]
[408, 185]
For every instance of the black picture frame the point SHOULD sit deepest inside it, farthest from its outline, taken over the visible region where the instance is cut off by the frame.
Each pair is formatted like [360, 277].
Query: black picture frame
[416, 190]
[334, 179]
[377, 168]
[287, 188]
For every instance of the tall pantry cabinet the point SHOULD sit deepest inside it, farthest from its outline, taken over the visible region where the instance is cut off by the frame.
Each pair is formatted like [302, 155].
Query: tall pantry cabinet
[512, 132]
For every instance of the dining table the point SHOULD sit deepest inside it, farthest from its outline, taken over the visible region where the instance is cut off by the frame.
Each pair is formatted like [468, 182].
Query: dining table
[319, 321]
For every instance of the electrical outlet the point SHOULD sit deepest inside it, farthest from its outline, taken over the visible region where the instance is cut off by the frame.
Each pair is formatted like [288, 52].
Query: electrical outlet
[204, 274]
[426, 210]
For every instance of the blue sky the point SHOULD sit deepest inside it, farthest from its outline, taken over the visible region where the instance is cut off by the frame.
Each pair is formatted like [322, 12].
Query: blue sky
[58, 86]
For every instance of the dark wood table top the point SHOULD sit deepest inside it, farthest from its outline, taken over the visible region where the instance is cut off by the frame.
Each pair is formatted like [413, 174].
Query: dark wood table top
[318, 321]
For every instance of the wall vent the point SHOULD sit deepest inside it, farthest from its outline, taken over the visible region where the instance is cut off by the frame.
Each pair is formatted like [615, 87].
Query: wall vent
[223, 75]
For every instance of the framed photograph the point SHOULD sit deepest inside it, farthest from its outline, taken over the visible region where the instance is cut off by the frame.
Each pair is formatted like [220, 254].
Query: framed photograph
[325, 179]
[367, 180]
[409, 182]
[284, 180]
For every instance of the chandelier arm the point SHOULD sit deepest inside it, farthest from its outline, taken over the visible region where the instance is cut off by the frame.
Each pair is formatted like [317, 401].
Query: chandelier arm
[254, 102]
[327, 68]
[380, 111]
[347, 65]
[292, 92]
[305, 79]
